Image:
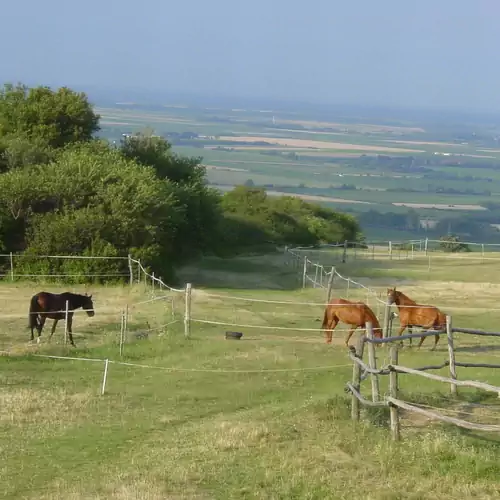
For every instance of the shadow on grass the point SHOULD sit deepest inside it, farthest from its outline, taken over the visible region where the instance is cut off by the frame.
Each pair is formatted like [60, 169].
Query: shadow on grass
[479, 348]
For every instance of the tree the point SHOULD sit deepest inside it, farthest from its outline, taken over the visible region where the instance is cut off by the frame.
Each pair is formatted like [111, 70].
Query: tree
[88, 197]
[56, 117]
[196, 232]
[156, 152]
[451, 243]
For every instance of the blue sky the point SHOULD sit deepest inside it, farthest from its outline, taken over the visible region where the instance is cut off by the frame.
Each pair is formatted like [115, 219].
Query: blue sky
[438, 53]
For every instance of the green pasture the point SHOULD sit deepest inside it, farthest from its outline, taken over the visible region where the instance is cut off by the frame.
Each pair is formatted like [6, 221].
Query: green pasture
[208, 418]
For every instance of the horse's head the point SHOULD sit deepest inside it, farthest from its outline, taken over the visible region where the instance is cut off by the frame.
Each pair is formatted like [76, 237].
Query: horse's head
[88, 305]
[392, 295]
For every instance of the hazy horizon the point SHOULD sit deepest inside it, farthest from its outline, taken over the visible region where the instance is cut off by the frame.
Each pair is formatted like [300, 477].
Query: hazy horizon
[388, 54]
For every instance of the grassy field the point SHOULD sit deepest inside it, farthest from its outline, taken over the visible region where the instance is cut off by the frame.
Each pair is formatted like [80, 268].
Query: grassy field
[265, 417]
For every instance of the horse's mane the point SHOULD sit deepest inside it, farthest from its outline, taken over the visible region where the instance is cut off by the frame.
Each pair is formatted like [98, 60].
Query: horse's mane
[408, 300]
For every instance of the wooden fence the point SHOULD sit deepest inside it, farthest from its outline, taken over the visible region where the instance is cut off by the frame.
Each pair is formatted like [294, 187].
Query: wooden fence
[361, 371]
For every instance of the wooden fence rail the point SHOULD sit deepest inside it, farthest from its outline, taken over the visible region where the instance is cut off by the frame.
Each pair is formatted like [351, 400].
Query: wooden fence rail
[361, 371]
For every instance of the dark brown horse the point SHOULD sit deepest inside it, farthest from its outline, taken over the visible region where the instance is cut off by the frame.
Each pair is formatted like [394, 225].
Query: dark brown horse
[354, 314]
[412, 314]
[45, 305]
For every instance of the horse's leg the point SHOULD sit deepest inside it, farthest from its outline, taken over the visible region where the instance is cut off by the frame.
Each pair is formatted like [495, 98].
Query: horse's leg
[40, 327]
[426, 328]
[70, 324]
[401, 330]
[331, 326]
[53, 328]
[436, 340]
[410, 331]
[349, 335]
[32, 327]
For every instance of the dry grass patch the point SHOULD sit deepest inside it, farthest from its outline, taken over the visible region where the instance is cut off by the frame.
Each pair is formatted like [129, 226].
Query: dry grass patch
[440, 206]
[312, 197]
[316, 144]
[360, 127]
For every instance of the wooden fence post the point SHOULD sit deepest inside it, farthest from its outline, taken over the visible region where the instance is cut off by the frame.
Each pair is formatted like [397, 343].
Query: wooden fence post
[390, 250]
[426, 245]
[372, 362]
[387, 319]
[11, 267]
[304, 272]
[130, 270]
[187, 311]
[356, 380]
[451, 353]
[139, 271]
[329, 287]
[122, 333]
[316, 272]
[344, 255]
[393, 392]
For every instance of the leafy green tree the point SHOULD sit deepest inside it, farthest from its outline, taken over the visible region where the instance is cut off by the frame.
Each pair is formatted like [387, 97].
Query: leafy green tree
[452, 243]
[57, 117]
[82, 198]
[156, 152]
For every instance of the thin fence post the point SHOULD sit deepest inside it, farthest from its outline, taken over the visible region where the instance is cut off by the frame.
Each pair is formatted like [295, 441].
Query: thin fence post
[125, 324]
[138, 271]
[393, 392]
[304, 272]
[316, 272]
[356, 379]
[451, 353]
[344, 255]
[426, 247]
[153, 280]
[390, 250]
[66, 314]
[122, 332]
[387, 319]
[187, 311]
[412, 252]
[348, 287]
[11, 267]
[482, 252]
[329, 287]
[172, 300]
[373, 251]
[130, 270]
[105, 376]
[372, 361]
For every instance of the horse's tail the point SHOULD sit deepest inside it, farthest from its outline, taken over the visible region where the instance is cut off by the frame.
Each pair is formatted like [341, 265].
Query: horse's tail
[33, 313]
[441, 321]
[325, 319]
[377, 330]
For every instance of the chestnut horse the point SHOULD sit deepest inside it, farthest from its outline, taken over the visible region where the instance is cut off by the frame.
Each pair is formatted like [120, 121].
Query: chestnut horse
[45, 305]
[354, 314]
[413, 314]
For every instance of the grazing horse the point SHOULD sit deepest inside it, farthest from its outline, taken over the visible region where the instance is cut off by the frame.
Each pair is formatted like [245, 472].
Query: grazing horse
[45, 305]
[354, 314]
[412, 314]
